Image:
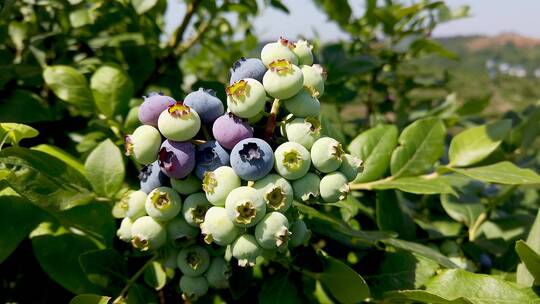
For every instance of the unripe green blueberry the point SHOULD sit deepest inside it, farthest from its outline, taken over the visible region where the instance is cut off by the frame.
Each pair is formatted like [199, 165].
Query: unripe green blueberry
[314, 77]
[179, 231]
[282, 49]
[292, 160]
[276, 192]
[163, 204]
[245, 207]
[273, 231]
[303, 51]
[326, 154]
[194, 208]
[124, 232]
[143, 144]
[147, 234]
[246, 98]
[170, 255]
[218, 183]
[193, 261]
[218, 273]
[120, 207]
[187, 185]
[351, 166]
[193, 287]
[179, 122]
[300, 233]
[228, 253]
[246, 250]
[283, 80]
[306, 189]
[304, 131]
[334, 187]
[303, 104]
[218, 228]
[136, 201]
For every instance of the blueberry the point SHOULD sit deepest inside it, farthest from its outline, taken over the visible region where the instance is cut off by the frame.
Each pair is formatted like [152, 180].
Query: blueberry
[314, 77]
[218, 228]
[306, 189]
[179, 122]
[124, 232]
[210, 156]
[136, 201]
[351, 166]
[218, 183]
[252, 159]
[246, 98]
[292, 160]
[326, 154]
[193, 261]
[334, 187]
[283, 79]
[281, 49]
[229, 129]
[151, 177]
[177, 159]
[194, 208]
[303, 104]
[186, 185]
[180, 232]
[218, 273]
[276, 192]
[163, 204]
[206, 104]
[147, 234]
[247, 68]
[300, 233]
[193, 287]
[246, 250]
[143, 144]
[303, 51]
[152, 107]
[304, 131]
[245, 207]
[273, 231]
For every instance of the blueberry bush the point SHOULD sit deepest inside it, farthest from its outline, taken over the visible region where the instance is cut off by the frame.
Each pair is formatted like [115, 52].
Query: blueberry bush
[201, 166]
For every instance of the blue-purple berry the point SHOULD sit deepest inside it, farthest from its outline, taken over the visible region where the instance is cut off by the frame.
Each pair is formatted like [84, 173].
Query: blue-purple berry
[229, 129]
[252, 159]
[206, 104]
[152, 107]
[151, 177]
[247, 68]
[210, 156]
[177, 159]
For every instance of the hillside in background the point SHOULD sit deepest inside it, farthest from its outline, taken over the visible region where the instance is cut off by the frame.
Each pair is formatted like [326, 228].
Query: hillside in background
[505, 69]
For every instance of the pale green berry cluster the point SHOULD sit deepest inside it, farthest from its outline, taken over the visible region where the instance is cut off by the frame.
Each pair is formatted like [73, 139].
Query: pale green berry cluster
[236, 213]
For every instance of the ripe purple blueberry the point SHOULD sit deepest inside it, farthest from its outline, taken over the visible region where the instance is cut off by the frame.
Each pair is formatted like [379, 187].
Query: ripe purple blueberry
[210, 156]
[151, 177]
[247, 68]
[229, 129]
[176, 159]
[206, 104]
[252, 159]
[152, 107]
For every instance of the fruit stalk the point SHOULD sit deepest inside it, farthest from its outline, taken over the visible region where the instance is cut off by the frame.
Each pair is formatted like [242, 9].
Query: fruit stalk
[271, 123]
[132, 280]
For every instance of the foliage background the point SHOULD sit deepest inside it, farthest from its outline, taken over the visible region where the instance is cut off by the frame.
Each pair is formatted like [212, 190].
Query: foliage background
[76, 70]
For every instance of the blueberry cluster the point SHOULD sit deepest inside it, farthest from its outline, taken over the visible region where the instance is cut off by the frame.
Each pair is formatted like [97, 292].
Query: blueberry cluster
[232, 187]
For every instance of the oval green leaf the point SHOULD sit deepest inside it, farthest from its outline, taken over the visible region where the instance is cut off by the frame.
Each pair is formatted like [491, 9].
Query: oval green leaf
[503, 173]
[69, 85]
[112, 89]
[90, 299]
[105, 168]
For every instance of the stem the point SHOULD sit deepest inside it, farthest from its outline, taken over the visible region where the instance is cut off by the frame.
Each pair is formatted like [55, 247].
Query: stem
[271, 123]
[205, 132]
[369, 185]
[474, 228]
[199, 32]
[197, 141]
[179, 33]
[132, 280]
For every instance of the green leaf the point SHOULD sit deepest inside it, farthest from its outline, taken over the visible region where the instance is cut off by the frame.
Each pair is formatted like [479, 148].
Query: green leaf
[338, 230]
[428, 46]
[61, 155]
[69, 85]
[530, 258]
[374, 147]
[391, 216]
[105, 268]
[478, 288]
[90, 299]
[155, 275]
[421, 144]
[45, 180]
[94, 219]
[105, 168]
[337, 10]
[142, 6]
[421, 250]
[57, 251]
[524, 277]
[401, 270]
[421, 296]
[17, 218]
[140, 294]
[503, 173]
[80, 17]
[465, 208]
[344, 283]
[112, 89]
[475, 144]
[416, 184]
[13, 133]
[24, 107]
[278, 289]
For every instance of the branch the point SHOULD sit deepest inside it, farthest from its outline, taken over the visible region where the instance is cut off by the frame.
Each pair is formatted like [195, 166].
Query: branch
[132, 280]
[271, 123]
[199, 32]
[179, 33]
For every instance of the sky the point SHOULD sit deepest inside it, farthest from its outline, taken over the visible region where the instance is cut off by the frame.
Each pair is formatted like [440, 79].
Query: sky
[489, 17]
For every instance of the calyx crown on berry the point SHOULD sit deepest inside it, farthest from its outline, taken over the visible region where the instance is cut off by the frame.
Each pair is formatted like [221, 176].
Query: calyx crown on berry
[320, 70]
[128, 143]
[282, 236]
[140, 243]
[198, 212]
[178, 109]
[165, 159]
[237, 89]
[275, 197]
[312, 91]
[291, 159]
[286, 42]
[209, 182]
[238, 63]
[280, 66]
[206, 155]
[193, 259]
[314, 124]
[337, 150]
[161, 199]
[250, 151]
[245, 212]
